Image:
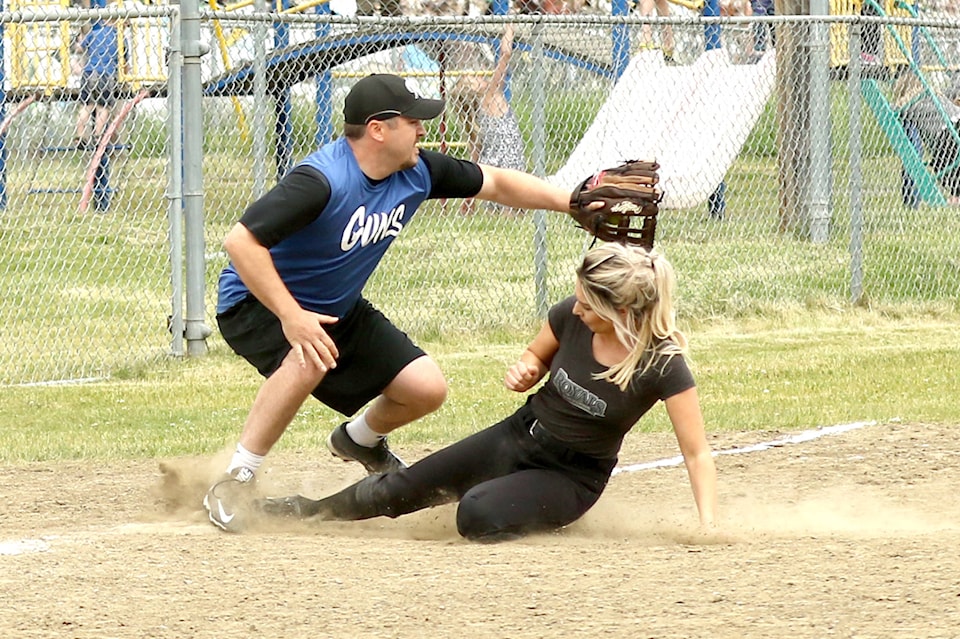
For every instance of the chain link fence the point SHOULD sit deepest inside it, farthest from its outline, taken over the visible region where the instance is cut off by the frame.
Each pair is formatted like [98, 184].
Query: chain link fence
[85, 267]
[801, 167]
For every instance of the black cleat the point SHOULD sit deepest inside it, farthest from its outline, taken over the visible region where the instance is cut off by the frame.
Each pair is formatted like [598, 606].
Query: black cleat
[293, 507]
[379, 459]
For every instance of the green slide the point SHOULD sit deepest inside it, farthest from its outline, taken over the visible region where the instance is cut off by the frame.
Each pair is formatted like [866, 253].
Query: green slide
[927, 187]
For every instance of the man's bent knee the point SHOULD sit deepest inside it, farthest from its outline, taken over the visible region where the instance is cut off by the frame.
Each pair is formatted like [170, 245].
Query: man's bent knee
[419, 385]
[308, 375]
[433, 395]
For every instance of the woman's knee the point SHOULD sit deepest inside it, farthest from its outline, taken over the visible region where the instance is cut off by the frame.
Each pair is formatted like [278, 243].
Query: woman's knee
[484, 519]
[475, 520]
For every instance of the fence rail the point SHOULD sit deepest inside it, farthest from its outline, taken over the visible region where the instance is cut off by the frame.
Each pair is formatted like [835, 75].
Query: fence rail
[789, 184]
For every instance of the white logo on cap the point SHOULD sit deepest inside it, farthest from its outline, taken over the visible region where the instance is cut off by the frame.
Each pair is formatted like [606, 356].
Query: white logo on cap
[413, 88]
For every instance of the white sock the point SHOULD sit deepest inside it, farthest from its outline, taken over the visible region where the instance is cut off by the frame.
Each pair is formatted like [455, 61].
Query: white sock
[361, 433]
[244, 458]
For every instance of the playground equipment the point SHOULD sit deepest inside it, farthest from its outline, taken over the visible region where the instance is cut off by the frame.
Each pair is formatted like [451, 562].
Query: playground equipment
[920, 181]
[41, 72]
[893, 55]
[287, 64]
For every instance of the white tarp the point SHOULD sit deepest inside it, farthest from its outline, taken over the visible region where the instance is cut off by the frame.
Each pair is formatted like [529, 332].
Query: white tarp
[692, 119]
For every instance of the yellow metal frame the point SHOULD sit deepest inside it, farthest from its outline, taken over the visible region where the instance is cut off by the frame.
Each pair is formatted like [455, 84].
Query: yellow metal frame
[840, 33]
[302, 6]
[224, 42]
[136, 72]
[40, 56]
[41, 52]
[228, 65]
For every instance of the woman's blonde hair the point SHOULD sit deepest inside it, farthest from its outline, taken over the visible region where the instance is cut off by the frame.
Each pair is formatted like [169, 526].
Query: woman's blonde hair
[633, 289]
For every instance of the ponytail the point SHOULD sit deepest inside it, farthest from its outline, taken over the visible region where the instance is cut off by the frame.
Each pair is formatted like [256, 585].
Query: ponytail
[633, 288]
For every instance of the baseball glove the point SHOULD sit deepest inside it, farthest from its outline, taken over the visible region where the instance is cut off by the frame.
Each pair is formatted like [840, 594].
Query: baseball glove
[630, 200]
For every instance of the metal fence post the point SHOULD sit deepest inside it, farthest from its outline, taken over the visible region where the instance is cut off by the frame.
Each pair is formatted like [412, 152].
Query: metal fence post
[820, 151]
[192, 49]
[717, 201]
[324, 112]
[175, 188]
[539, 167]
[856, 170]
[620, 51]
[259, 100]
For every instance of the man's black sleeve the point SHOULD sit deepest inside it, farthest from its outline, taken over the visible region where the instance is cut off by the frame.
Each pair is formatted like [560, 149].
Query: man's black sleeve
[451, 177]
[295, 202]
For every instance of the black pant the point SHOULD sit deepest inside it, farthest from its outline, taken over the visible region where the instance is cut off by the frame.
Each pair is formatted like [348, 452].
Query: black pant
[511, 478]
[945, 160]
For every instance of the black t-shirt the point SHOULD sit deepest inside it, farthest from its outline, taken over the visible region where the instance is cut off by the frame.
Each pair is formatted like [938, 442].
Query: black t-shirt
[593, 415]
[300, 197]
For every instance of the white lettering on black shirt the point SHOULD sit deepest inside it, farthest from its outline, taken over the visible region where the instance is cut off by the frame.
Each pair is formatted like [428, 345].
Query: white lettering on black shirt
[578, 395]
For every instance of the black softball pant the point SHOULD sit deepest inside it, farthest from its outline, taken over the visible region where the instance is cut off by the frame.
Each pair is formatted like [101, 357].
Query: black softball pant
[511, 479]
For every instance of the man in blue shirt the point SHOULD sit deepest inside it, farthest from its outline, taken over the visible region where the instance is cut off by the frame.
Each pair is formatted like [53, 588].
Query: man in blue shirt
[98, 80]
[291, 303]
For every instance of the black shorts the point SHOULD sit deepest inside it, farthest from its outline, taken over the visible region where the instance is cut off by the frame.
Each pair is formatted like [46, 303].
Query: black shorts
[372, 350]
[98, 89]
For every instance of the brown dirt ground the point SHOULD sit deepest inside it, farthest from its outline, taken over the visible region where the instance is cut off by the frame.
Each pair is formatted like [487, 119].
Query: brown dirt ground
[849, 535]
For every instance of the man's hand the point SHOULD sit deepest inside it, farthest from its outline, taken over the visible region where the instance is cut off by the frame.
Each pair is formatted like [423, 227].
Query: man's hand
[521, 376]
[304, 330]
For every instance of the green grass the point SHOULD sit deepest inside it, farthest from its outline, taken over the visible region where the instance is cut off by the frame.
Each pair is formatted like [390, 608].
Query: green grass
[812, 369]
[777, 342]
[87, 294]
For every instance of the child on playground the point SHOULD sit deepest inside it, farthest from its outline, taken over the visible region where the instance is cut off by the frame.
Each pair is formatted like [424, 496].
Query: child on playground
[491, 124]
[98, 80]
[492, 130]
[646, 8]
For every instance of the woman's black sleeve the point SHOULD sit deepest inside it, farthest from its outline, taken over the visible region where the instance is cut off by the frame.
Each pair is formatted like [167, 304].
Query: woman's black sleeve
[295, 202]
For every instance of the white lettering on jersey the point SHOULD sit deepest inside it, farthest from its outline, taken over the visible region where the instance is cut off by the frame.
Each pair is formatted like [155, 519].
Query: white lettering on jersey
[578, 395]
[369, 229]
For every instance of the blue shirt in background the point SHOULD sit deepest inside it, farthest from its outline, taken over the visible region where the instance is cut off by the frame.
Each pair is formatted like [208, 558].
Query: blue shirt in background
[100, 50]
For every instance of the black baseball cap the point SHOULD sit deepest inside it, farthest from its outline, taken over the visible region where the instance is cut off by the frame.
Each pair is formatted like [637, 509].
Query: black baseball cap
[382, 96]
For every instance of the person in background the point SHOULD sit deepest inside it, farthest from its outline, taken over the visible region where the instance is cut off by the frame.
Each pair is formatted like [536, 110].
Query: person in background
[99, 47]
[610, 352]
[932, 118]
[491, 126]
[646, 8]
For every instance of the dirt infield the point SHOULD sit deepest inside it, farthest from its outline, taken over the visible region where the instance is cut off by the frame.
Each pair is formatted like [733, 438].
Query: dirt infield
[850, 535]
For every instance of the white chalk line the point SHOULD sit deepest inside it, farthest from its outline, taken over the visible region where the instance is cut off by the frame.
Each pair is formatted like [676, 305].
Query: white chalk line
[805, 436]
[24, 546]
[60, 382]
